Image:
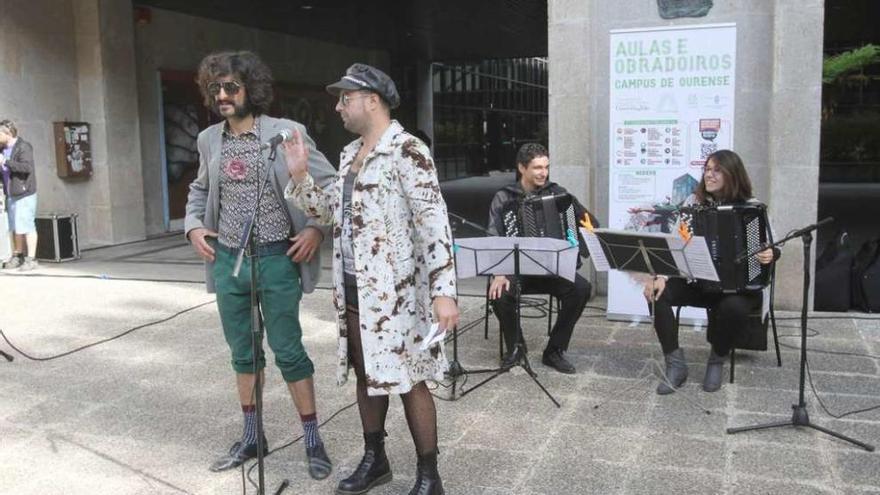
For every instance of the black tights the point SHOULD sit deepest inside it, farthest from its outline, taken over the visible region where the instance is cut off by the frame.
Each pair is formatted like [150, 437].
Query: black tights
[418, 404]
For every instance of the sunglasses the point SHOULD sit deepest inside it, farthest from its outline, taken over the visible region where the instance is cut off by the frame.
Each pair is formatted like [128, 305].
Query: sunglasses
[231, 88]
[345, 99]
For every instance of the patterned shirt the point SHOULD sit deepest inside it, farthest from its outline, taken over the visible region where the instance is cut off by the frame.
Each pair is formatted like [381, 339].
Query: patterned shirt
[241, 169]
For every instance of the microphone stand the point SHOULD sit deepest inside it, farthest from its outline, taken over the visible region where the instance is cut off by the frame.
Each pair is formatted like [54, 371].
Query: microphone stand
[455, 367]
[249, 244]
[799, 416]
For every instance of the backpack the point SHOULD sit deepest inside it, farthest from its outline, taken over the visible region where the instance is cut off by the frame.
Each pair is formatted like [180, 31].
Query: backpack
[866, 277]
[832, 291]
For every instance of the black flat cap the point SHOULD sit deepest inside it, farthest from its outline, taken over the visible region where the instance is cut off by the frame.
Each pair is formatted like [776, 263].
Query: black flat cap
[368, 78]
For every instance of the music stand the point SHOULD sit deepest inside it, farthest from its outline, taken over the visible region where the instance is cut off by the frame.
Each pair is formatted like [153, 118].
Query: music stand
[651, 253]
[516, 256]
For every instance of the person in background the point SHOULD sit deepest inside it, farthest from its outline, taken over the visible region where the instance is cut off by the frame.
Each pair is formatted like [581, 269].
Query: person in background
[20, 185]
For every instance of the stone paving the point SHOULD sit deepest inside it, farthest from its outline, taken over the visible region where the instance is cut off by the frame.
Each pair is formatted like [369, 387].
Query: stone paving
[148, 412]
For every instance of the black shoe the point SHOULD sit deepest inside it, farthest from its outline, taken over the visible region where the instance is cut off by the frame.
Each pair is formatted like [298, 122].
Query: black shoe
[427, 478]
[555, 358]
[373, 469]
[237, 455]
[512, 358]
[320, 465]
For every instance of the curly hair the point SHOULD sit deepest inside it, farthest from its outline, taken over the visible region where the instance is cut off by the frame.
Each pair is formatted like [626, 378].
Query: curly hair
[246, 67]
[528, 152]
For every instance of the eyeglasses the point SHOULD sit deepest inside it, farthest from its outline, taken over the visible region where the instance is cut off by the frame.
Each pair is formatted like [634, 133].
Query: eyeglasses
[345, 98]
[231, 88]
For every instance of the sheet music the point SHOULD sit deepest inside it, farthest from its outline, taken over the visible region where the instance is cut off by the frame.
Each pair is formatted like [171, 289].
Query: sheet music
[699, 261]
[475, 256]
[597, 254]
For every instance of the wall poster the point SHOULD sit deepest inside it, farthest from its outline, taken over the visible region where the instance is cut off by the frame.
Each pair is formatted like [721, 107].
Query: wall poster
[671, 105]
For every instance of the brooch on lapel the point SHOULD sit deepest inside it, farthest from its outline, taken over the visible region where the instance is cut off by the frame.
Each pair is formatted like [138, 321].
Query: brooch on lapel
[235, 169]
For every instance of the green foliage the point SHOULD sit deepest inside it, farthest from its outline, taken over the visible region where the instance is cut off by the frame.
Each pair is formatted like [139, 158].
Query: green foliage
[841, 64]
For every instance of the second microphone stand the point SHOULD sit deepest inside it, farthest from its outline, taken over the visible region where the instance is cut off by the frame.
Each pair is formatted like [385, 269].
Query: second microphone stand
[799, 416]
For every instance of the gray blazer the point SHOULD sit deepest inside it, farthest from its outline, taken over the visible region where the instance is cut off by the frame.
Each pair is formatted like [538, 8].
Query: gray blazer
[203, 202]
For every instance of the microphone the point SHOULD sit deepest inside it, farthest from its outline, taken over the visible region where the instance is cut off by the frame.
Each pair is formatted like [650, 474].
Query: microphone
[282, 136]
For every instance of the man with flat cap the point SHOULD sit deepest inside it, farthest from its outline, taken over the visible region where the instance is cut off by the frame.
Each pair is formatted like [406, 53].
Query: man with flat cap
[393, 269]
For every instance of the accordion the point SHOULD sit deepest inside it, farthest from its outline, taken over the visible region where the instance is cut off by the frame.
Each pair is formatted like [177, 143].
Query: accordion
[731, 231]
[541, 216]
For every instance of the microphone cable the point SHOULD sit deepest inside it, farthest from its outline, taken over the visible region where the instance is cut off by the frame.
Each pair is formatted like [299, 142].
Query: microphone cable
[102, 341]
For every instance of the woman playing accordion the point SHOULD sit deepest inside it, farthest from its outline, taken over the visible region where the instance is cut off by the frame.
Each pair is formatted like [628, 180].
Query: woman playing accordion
[725, 183]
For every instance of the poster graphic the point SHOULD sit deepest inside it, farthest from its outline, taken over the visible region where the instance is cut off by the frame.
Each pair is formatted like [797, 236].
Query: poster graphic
[671, 105]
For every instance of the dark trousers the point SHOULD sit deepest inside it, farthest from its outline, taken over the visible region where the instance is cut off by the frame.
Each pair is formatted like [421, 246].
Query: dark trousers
[728, 314]
[572, 295]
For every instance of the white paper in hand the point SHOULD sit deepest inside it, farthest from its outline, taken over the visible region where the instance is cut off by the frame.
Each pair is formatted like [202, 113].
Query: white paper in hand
[434, 335]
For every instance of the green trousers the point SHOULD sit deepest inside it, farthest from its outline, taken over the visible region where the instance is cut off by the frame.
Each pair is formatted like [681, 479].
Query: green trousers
[279, 294]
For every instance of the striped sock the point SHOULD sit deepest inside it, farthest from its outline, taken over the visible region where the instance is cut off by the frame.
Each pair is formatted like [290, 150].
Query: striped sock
[249, 437]
[310, 429]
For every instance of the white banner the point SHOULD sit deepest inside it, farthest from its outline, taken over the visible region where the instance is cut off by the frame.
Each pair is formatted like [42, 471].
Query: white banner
[671, 105]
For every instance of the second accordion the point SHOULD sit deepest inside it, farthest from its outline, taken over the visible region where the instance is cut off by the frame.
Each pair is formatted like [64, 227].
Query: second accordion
[731, 231]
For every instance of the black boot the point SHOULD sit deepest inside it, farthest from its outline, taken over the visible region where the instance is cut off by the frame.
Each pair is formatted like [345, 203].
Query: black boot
[373, 470]
[676, 372]
[427, 478]
[714, 369]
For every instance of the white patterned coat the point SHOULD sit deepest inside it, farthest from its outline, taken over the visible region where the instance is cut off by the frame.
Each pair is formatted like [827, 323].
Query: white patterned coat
[403, 257]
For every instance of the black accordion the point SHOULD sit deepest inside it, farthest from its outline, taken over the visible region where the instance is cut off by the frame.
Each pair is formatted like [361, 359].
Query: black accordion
[551, 216]
[731, 231]
[541, 216]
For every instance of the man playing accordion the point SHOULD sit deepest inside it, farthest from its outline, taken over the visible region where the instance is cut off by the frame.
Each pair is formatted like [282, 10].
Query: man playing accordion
[533, 167]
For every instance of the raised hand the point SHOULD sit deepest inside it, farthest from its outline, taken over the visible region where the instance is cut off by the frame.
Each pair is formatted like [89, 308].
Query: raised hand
[296, 154]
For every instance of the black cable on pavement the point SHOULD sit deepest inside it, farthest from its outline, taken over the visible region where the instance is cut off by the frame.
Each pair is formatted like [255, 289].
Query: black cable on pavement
[102, 341]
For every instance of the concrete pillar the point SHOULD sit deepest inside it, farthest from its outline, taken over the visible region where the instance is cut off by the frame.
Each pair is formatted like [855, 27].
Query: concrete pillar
[794, 129]
[104, 37]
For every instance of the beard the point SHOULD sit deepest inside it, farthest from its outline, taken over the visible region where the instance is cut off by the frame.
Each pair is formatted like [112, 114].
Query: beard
[240, 111]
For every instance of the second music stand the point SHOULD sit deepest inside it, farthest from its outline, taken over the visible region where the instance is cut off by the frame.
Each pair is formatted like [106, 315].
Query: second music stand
[514, 256]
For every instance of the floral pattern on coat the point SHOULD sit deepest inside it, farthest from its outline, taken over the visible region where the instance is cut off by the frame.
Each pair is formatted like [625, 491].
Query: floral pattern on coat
[403, 257]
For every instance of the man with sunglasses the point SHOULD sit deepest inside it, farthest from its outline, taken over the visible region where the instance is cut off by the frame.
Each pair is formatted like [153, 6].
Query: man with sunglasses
[393, 270]
[238, 87]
